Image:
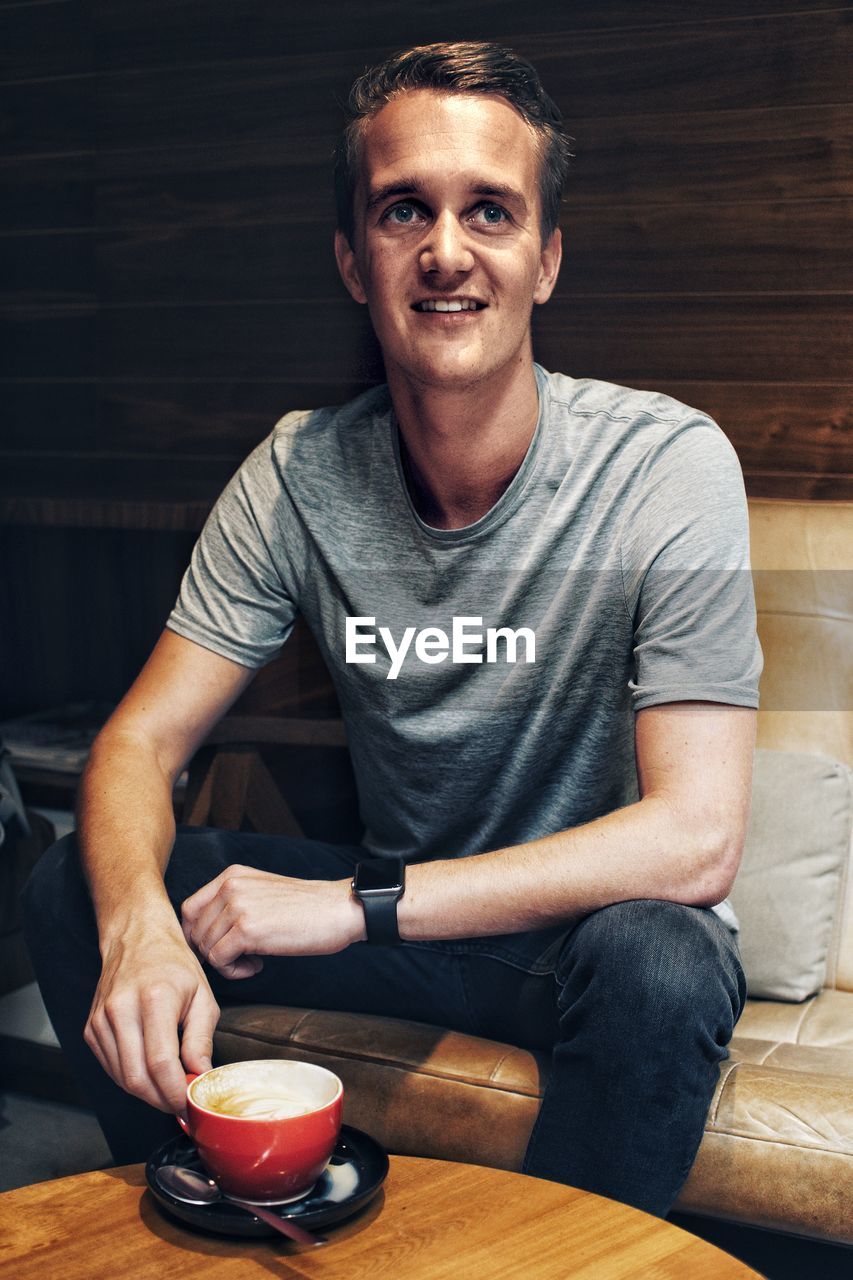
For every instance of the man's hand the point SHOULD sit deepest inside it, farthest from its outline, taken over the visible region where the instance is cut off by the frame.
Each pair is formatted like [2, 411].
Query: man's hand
[245, 913]
[151, 984]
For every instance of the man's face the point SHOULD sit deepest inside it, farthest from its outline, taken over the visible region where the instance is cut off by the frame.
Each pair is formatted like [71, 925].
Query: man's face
[447, 214]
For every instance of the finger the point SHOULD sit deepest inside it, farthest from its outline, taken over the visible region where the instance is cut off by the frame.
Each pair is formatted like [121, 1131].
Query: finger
[216, 922]
[246, 967]
[134, 1076]
[230, 947]
[212, 918]
[196, 902]
[197, 1032]
[192, 906]
[206, 917]
[160, 1015]
[105, 1020]
[100, 1039]
[242, 967]
[223, 933]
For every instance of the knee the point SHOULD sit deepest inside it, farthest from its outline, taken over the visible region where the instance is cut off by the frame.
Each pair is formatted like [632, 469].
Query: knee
[664, 964]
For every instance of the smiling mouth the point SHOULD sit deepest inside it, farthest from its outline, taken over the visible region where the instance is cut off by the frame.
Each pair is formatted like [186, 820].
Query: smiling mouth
[449, 304]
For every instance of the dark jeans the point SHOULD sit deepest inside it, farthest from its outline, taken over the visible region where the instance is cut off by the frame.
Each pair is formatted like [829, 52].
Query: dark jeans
[636, 1004]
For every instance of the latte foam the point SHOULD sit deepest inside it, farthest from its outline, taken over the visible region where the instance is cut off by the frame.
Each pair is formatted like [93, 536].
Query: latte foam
[259, 1106]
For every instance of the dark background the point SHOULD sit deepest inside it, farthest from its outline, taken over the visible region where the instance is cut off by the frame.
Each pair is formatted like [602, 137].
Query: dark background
[168, 288]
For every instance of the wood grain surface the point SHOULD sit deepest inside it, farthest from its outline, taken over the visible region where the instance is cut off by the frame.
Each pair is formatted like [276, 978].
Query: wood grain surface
[433, 1220]
[167, 216]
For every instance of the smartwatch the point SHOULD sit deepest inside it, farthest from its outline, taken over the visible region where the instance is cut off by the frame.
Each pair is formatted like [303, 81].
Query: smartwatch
[379, 884]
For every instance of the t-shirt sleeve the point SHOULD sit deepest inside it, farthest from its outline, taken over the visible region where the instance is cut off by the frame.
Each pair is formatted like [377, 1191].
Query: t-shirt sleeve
[239, 596]
[686, 574]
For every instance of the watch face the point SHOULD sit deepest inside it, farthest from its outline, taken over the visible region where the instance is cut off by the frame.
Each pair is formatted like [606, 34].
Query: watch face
[378, 874]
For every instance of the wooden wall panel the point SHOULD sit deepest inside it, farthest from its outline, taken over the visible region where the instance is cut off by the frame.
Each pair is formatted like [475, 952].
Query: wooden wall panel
[164, 418]
[691, 247]
[48, 116]
[804, 427]
[741, 156]
[40, 269]
[794, 60]
[47, 193]
[611, 248]
[757, 338]
[59, 414]
[686, 181]
[621, 336]
[761, 154]
[794, 440]
[162, 32]
[250, 339]
[101, 600]
[224, 184]
[102, 491]
[47, 39]
[55, 342]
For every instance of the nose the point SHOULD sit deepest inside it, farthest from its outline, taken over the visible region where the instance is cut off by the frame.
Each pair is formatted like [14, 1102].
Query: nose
[445, 251]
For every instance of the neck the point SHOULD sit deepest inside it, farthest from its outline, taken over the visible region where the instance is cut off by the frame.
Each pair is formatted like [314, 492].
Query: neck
[461, 448]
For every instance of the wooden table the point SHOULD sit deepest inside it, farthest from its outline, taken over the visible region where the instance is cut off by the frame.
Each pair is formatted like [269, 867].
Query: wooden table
[432, 1219]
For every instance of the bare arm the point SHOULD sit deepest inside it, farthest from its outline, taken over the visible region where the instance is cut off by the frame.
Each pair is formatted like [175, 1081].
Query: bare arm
[151, 983]
[681, 841]
[125, 817]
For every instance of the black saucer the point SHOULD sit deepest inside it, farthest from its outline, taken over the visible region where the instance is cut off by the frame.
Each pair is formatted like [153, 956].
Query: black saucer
[354, 1174]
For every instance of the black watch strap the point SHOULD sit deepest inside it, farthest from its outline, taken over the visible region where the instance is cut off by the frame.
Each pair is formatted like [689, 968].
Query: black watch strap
[378, 884]
[380, 917]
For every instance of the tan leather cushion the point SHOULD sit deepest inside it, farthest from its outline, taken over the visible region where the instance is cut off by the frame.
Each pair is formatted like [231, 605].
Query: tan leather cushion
[778, 1145]
[419, 1090]
[826, 1021]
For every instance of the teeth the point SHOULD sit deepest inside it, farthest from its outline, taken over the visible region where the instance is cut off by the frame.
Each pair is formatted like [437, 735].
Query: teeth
[455, 304]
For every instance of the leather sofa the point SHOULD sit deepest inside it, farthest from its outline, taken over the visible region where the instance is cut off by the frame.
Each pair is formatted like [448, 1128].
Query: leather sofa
[778, 1145]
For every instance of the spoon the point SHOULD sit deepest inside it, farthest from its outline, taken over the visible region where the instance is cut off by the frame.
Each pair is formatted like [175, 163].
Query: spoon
[194, 1188]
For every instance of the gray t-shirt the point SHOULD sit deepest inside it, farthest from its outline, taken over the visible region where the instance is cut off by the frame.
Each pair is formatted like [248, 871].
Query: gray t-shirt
[617, 558]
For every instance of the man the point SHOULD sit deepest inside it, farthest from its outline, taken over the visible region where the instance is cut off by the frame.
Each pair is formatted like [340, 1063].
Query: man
[532, 592]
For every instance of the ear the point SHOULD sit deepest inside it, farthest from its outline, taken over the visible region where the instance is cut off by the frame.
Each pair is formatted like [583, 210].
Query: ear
[549, 267]
[348, 268]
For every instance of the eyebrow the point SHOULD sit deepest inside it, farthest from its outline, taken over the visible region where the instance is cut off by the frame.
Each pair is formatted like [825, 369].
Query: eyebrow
[404, 187]
[503, 192]
[411, 187]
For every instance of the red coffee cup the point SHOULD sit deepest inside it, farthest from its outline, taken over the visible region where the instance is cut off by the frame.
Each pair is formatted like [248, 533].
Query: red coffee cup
[241, 1118]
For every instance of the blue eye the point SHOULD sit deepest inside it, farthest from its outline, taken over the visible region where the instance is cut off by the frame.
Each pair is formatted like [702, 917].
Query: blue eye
[402, 214]
[493, 213]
